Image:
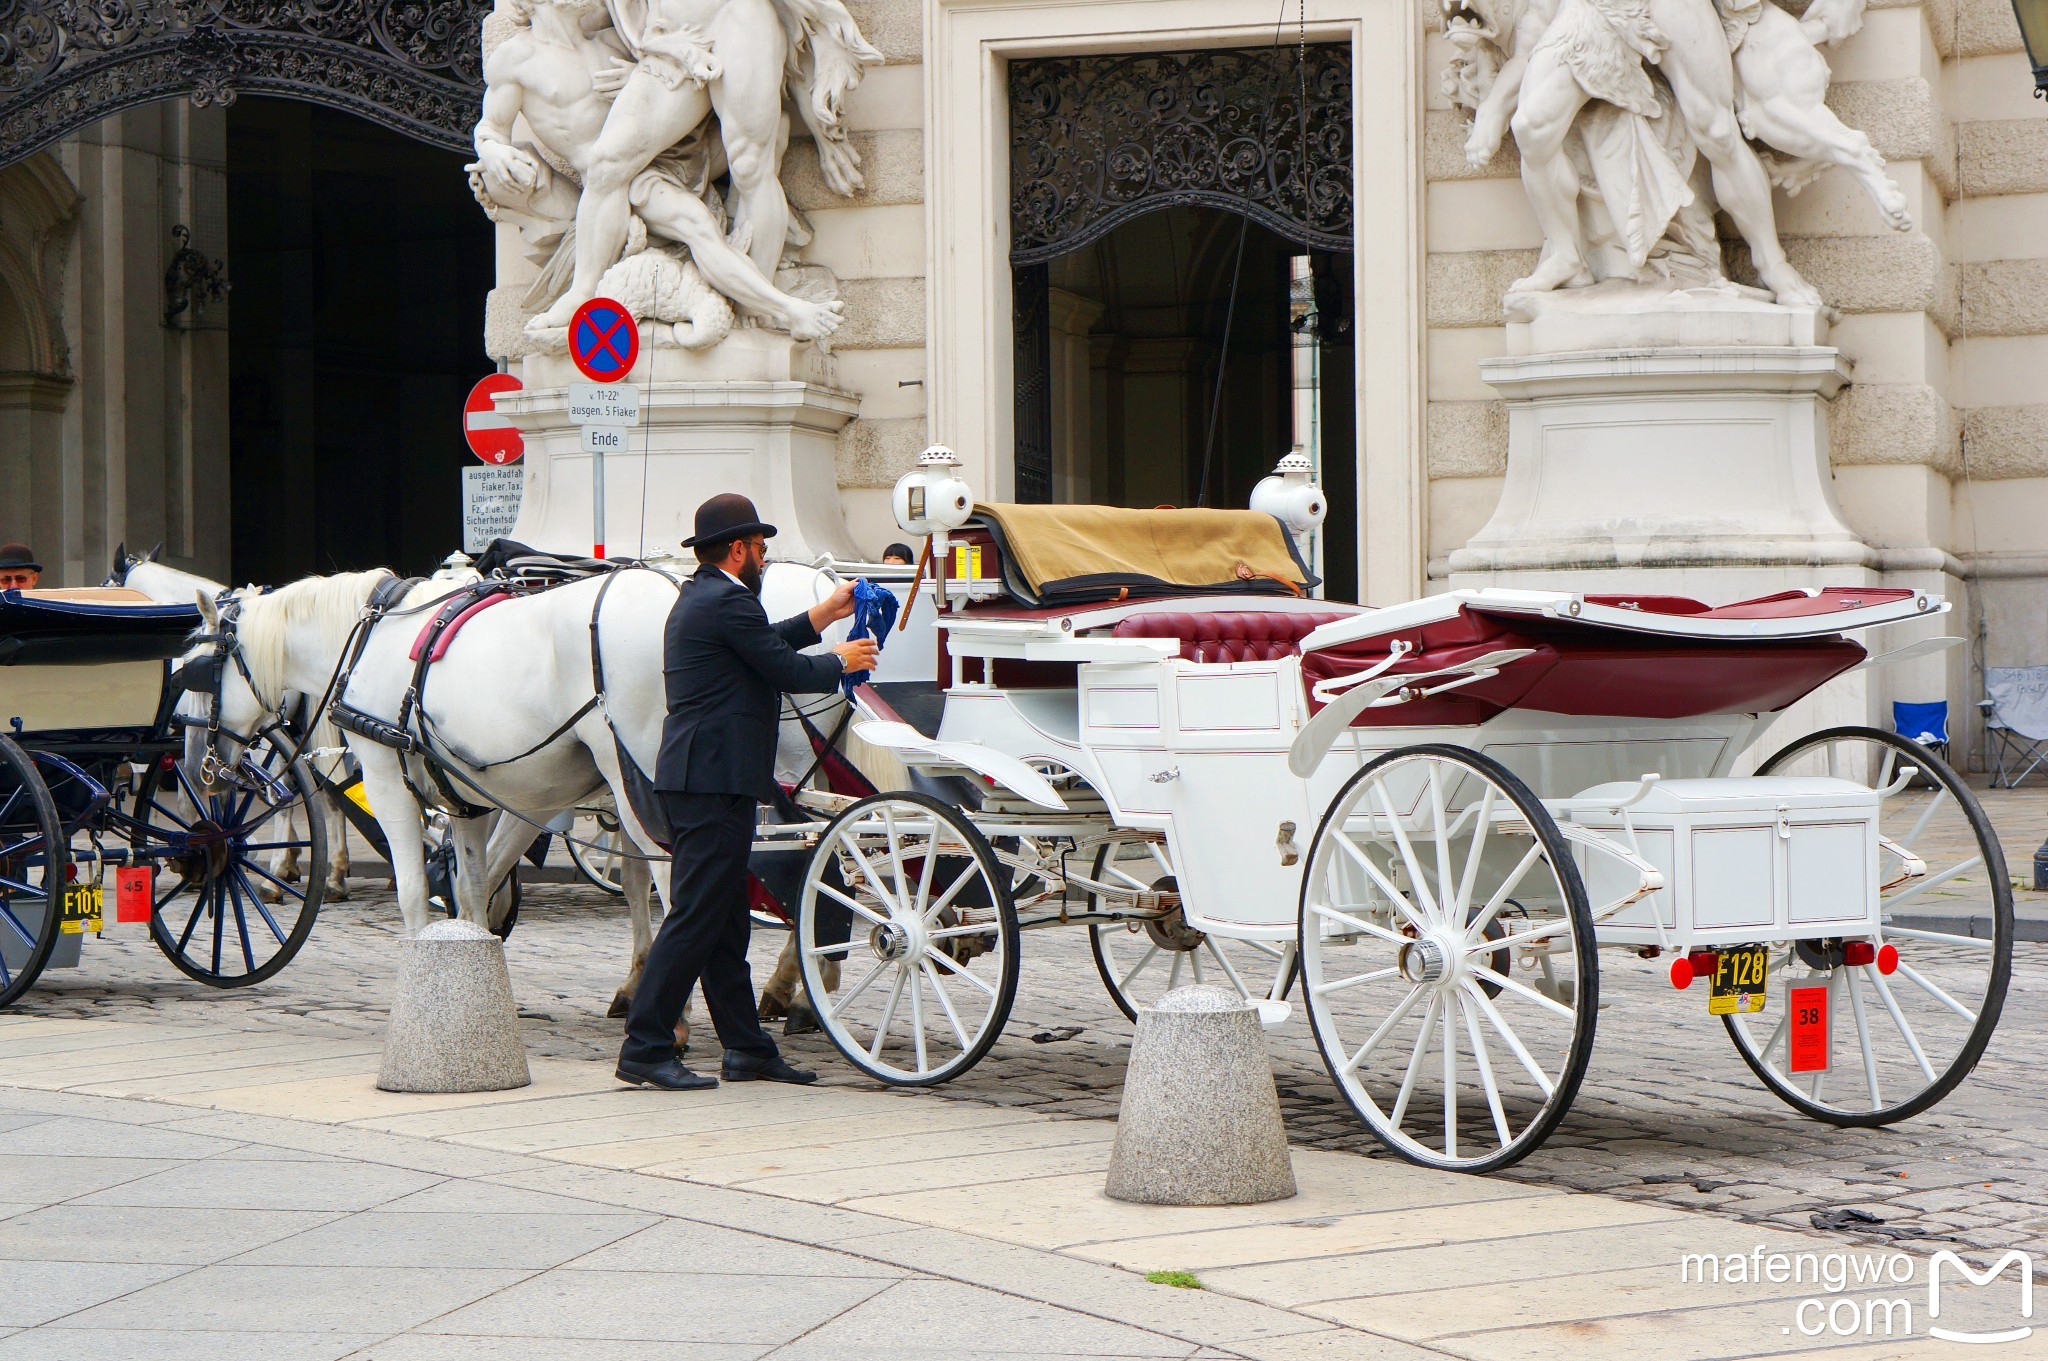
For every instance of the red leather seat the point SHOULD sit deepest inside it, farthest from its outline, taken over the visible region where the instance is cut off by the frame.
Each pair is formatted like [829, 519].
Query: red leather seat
[1232, 635]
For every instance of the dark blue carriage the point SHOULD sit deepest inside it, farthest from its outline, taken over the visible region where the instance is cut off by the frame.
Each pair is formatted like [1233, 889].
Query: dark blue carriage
[104, 827]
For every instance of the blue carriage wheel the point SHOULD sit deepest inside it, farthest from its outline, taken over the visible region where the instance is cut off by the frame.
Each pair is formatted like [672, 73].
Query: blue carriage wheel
[34, 858]
[240, 870]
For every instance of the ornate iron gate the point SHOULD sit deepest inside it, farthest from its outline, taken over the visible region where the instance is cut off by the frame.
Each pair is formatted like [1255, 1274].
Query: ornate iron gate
[1097, 141]
[415, 66]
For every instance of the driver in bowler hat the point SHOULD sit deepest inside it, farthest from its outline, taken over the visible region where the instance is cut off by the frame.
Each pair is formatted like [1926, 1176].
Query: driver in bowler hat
[726, 668]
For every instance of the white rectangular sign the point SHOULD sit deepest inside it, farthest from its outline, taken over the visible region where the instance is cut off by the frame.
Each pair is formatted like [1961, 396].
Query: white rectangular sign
[604, 439]
[490, 503]
[604, 404]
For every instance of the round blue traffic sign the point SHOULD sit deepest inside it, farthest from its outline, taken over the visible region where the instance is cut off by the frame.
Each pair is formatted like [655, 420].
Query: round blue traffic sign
[604, 340]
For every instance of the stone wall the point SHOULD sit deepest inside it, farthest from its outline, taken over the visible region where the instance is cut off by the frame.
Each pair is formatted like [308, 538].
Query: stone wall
[875, 243]
[1940, 444]
[112, 424]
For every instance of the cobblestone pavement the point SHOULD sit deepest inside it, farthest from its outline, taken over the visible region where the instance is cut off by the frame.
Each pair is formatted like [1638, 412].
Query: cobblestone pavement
[1668, 1111]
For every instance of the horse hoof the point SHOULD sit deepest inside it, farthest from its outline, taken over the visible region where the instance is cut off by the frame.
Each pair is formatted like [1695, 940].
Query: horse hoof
[337, 893]
[621, 1004]
[773, 1010]
[802, 1021]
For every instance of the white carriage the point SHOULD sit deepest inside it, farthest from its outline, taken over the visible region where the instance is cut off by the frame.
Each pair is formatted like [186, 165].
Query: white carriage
[1434, 814]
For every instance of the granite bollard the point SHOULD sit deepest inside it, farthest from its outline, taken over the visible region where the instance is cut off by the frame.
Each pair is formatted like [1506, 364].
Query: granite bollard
[1200, 1120]
[454, 1026]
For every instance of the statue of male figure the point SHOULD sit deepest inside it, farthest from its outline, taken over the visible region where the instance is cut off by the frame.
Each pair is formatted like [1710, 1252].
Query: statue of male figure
[697, 57]
[563, 79]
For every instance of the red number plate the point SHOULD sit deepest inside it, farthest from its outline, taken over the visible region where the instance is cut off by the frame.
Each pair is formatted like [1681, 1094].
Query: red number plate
[1808, 1028]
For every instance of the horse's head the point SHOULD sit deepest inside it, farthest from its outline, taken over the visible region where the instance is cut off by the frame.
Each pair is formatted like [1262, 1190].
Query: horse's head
[222, 707]
[126, 562]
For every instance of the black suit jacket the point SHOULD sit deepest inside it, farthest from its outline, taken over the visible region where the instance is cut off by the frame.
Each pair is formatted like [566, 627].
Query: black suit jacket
[725, 668]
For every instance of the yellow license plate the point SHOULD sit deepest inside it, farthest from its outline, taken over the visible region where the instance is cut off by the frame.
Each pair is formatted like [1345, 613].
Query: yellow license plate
[1739, 979]
[82, 905]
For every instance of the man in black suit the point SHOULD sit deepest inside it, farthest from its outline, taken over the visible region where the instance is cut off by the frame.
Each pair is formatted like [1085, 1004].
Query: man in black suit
[726, 668]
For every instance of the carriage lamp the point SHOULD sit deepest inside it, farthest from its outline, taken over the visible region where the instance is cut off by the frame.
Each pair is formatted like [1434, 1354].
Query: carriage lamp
[931, 498]
[2033, 17]
[1289, 493]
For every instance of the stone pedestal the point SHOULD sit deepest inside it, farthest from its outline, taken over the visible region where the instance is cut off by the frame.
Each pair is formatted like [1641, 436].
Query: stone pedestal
[1200, 1121]
[756, 414]
[454, 1026]
[1677, 444]
[1687, 436]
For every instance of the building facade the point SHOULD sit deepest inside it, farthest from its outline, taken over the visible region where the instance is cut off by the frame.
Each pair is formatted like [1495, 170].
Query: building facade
[1075, 327]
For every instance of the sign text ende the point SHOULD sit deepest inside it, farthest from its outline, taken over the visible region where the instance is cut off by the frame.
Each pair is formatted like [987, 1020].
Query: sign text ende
[604, 439]
[604, 404]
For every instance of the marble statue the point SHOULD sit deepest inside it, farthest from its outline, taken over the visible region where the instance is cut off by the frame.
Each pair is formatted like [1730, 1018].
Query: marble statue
[1637, 119]
[649, 162]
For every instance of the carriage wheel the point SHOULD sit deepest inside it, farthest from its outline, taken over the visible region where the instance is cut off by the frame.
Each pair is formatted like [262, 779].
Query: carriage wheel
[602, 862]
[1142, 961]
[212, 850]
[1447, 958]
[34, 857]
[1900, 1040]
[929, 965]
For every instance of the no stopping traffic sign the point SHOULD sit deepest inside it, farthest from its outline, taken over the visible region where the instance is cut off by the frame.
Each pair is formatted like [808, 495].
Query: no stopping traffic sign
[604, 341]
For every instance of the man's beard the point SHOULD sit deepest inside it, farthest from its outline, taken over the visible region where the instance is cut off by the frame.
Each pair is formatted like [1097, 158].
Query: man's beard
[750, 575]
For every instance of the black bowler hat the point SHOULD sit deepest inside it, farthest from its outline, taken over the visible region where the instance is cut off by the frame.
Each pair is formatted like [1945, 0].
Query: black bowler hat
[21, 555]
[727, 517]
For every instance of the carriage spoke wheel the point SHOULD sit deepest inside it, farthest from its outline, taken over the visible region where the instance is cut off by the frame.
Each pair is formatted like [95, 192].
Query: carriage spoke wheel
[1899, 1039]
[1142, 961]
[34, 856]
[1447, 958]
[213, 851]
[596, 848]
[905, 901]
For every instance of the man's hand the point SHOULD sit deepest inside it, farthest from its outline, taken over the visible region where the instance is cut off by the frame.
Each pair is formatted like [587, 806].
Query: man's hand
[859, 655]
[612, 79]
[833, 607]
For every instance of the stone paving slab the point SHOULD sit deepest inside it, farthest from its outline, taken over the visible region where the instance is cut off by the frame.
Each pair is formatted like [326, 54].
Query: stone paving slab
[1339, 1266]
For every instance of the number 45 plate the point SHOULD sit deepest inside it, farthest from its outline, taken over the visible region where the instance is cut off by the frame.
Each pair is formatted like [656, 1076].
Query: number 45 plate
[1739, 979]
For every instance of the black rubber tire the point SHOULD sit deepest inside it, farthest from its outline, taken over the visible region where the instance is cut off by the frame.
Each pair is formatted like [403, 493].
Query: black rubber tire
[1931, 766]
[30, 829]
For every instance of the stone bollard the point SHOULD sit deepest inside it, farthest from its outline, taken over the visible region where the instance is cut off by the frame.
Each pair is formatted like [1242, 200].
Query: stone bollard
[1200, 1121]
[454, 1026]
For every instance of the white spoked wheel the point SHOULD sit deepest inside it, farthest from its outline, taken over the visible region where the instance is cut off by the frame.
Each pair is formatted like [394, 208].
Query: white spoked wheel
[928, 970]
[597, 848]
[1142, 961]
[1903, 1028]
[1447, 958]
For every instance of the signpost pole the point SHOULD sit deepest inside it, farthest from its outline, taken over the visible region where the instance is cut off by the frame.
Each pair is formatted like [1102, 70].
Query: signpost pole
[604, 342]
[597, 504]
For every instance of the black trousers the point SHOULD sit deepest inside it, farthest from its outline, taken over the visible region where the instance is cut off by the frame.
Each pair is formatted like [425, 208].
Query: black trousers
[703, 940]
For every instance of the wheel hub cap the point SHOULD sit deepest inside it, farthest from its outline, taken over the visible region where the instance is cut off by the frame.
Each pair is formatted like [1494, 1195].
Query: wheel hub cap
[1422, 961]
[890, 941]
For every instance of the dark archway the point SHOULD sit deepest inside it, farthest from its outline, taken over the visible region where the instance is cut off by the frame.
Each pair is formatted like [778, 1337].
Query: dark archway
[1148, 190]
[414, 66]
[361, 267]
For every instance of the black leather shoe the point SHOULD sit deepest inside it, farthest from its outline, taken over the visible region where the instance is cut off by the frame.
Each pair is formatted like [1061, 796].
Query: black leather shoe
[669, 1075]
[744, 1067]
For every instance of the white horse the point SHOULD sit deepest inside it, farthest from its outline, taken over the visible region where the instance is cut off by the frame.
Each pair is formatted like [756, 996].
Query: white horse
[513, 675]
[169, 586]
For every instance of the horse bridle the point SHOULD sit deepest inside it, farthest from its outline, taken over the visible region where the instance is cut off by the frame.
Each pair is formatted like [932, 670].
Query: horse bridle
[203, 675]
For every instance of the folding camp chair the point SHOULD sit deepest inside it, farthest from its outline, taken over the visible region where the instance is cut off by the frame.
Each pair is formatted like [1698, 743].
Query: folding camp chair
[1926, 724]
[2015, 709]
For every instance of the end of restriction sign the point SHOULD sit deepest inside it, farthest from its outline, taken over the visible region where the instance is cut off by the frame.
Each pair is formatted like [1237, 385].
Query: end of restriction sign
[604, 439]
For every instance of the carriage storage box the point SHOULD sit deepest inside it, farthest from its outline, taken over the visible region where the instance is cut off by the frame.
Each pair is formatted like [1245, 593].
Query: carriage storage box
[1743, 860]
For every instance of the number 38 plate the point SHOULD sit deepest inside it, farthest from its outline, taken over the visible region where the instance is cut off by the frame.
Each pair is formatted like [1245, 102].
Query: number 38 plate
[1739, 981]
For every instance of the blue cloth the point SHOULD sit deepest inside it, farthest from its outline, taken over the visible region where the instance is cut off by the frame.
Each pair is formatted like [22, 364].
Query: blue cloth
[874, 614]
[1926, 724]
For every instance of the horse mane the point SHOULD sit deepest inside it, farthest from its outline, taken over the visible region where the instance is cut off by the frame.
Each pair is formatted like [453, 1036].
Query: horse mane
[331, 605]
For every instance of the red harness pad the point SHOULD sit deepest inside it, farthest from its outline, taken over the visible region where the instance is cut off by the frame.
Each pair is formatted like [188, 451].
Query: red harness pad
[441, 635]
